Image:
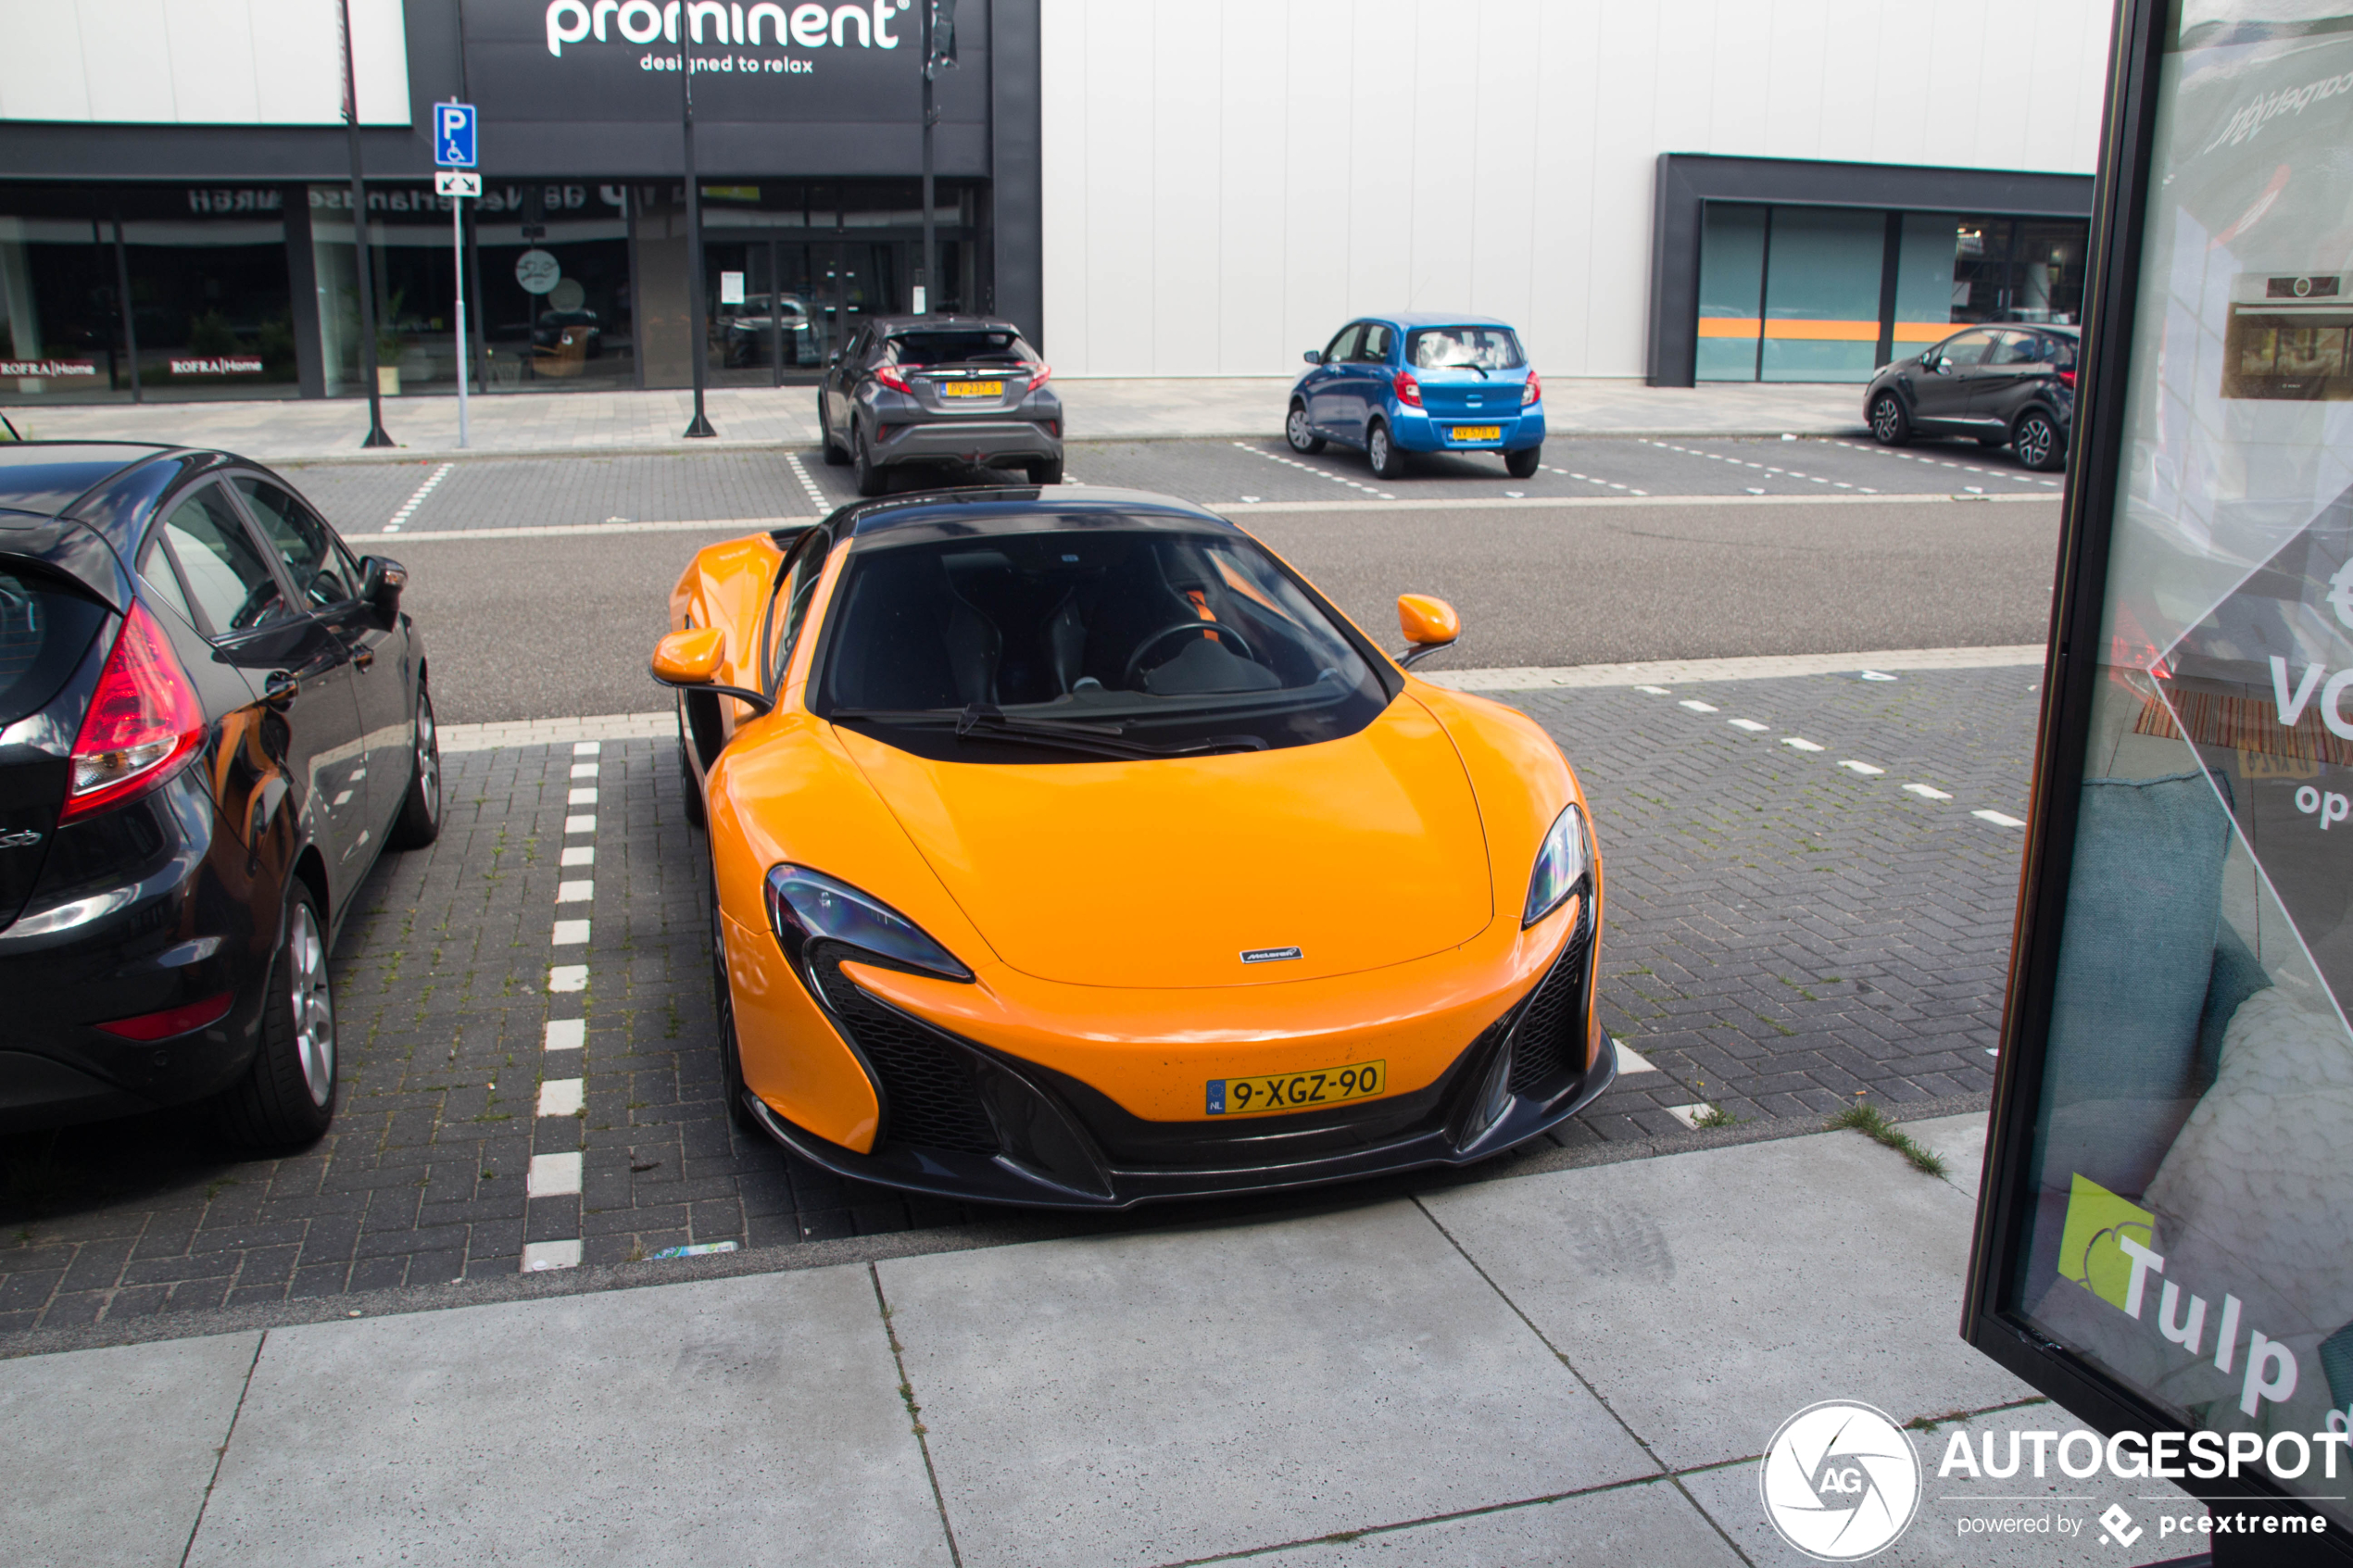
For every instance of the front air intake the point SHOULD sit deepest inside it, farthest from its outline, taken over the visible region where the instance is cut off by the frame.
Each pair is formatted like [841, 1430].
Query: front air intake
[927, 1093]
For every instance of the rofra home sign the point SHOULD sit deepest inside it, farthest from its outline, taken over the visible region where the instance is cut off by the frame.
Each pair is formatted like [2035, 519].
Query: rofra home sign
[771, 61]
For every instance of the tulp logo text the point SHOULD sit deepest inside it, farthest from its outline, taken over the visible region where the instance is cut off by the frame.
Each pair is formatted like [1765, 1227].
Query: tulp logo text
[812, 26]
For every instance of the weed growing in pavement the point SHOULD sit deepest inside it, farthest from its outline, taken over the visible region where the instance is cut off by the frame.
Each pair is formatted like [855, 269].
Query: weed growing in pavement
[637, 1251]
[1872, 1122]
[1797, 987]
[1714, 1115]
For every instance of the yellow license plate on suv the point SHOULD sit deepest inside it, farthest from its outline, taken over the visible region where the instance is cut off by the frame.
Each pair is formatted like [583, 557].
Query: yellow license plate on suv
[1478, 432]
[972, 389]
[1297, 1091]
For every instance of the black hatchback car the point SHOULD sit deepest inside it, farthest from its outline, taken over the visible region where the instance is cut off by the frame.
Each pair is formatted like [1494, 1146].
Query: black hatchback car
[939, 389]
[212, 719]
[2006, 386]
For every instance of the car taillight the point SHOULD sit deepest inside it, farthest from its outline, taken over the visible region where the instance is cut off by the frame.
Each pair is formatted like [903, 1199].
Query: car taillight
[143, 722]
[1408, 390]
[891, 377]
[1533, 391]
[2068, 377]
[1039, 375]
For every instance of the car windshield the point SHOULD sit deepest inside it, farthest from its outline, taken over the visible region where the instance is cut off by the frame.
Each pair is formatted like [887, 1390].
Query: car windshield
[1464, 348]
[915, 350]
[1071, 646]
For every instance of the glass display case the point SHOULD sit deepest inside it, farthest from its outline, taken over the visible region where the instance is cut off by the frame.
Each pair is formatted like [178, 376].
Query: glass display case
[2165, 1241]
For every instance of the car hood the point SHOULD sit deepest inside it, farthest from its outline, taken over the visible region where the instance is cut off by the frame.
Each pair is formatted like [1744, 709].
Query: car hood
[1360, 853]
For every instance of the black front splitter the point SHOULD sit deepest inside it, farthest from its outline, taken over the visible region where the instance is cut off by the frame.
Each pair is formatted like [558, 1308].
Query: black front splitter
[983, 1179]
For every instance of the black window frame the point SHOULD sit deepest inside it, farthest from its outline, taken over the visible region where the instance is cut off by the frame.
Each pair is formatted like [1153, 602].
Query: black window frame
[171, 503]
[335, 547]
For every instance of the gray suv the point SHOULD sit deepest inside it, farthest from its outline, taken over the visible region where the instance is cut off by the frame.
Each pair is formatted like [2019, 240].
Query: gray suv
[2010, 385]
[939, 389]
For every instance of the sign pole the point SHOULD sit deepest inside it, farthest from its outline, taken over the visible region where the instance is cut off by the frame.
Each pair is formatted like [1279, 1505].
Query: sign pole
[696, 333]
[457, 149]
[363, 267]
[458, 261]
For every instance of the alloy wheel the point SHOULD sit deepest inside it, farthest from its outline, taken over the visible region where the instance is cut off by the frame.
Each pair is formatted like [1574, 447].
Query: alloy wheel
[2035, 439]
[1295, 430]
[428, 759]
[313, 1003]
[1886, 419]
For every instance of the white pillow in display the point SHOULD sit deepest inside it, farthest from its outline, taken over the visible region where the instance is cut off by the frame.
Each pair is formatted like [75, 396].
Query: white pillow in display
[2251, 1198]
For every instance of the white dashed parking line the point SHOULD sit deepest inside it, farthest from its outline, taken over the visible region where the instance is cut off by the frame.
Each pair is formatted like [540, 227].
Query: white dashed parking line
[409, 507]
[816, 497]
[1879, 451]
[1605, 483]
[1852, 765]
[1762, 468]
[562, 1102]
[1309, 467]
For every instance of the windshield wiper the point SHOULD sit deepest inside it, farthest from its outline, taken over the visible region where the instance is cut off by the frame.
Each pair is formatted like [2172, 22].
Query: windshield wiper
[987, 722]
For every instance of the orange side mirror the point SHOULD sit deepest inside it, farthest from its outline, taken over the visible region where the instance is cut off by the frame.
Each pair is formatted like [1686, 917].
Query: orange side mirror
[1427, 621]
[689, 657]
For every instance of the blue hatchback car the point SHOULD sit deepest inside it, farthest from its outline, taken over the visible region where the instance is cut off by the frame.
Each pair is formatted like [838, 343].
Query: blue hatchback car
[1391, 384]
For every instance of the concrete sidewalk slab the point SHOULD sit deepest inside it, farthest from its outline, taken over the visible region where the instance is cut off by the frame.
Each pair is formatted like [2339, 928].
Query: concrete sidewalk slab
[1153, 1397]
[108, 1452]
[721, 1421]
[1961, 1141]
[515, 424]
[1650, 1524]
[1711, 1296]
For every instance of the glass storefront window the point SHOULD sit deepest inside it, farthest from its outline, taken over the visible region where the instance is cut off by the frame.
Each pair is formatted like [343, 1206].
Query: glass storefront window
[1802, 292]
[813, 260]
[2184, 1219]
[1731, 293]
[1822, 295]
[210, 305]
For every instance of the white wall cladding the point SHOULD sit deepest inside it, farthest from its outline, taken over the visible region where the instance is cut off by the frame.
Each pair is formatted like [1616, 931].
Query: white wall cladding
[1226, 181]
[200, 62]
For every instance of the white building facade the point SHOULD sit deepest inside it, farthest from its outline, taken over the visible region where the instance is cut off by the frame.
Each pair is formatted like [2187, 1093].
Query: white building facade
[1224, 183]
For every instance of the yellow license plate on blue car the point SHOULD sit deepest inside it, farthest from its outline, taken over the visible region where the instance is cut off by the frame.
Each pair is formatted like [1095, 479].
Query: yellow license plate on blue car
[1478, 432]
[1297, 1091]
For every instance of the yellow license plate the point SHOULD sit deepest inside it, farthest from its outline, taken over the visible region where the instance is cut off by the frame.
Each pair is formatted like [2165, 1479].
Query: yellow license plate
[972, 389]
[1478, 432]
[1297, 1091]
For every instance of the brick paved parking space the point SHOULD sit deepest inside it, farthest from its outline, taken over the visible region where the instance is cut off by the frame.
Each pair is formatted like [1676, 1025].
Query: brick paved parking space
[1782, 930]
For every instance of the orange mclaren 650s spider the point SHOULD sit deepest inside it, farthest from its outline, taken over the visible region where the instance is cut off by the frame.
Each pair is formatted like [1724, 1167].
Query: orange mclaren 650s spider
[1068, 849]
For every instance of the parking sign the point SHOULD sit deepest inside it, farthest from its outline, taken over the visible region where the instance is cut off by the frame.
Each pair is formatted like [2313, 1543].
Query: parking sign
[453, 135]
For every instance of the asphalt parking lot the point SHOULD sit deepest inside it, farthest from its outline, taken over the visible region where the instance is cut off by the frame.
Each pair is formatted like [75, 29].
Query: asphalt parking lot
[434, 497]
[543, 583]
[1789, 923]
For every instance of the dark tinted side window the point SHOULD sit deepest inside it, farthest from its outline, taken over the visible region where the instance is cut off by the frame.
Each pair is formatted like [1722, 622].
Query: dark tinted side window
[227, 575]
[1967, 349]
[793, 596]
[302, 541]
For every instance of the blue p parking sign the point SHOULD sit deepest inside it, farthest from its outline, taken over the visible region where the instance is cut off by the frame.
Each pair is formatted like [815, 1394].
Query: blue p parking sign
[453, 135]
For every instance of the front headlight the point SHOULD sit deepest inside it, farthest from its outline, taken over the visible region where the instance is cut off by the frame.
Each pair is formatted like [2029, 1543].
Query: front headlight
[806, 906]
[1565, 858]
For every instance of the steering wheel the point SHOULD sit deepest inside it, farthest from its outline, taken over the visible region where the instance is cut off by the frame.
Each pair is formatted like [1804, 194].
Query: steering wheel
[1135, 659]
